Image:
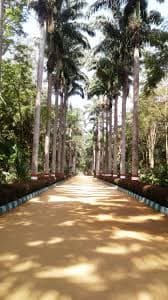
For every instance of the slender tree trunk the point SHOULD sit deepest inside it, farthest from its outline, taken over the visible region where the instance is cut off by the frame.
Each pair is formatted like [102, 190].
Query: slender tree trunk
[36, 131]
[60, 131]
[1, 38]
[93, 161]
[74, 163]
[102, 142]
[107, 142]
[123, 133]
[70, 152]
[135, 127]
[110, 140]
[48, 127]
[63, 156]
[151, 145]
[115, 150]
[97, 150]
[54, 146]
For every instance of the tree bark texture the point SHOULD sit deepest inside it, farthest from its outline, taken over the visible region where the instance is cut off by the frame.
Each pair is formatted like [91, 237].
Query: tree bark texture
[60, 132]
[97, 149]
[135, 125]
[36, 131]
[115, 149]
[48, 127]
[54, 145]
[151, 141]
[123, 134]
[63, 153]
[110, 140]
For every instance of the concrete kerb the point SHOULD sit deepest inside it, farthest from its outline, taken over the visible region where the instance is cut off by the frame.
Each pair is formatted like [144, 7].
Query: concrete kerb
[13, 204]
[148, 202]
[156, 206]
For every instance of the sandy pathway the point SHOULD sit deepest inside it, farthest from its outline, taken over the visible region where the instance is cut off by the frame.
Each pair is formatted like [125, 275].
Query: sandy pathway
[83, 240]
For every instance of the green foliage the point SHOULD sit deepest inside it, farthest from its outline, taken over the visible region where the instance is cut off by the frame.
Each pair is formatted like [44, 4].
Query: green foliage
[159, 175]
[16, 110]
[15, 14]
[19, 162]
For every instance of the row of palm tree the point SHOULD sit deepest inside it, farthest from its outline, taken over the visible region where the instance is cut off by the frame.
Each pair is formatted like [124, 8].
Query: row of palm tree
[63, 41]
[117, 65]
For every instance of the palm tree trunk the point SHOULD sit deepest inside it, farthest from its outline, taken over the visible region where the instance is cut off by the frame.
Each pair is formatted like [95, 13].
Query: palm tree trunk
[63, 156]
[74, 163]
[54, 146]
[60, 132]
[93, 161]
[110, 140]
[98, 145]
[70, 152]
[115, 150]
[48, 127]
[36, 131]
[107, 142]
[102, 132]
[123, 133]
[135, 127]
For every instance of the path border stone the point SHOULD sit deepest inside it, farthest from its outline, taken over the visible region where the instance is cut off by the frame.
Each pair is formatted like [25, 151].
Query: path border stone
[14, 204]
[156, 206]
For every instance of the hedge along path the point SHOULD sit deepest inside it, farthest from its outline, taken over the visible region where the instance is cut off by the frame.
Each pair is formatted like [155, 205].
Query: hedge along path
[83, 240]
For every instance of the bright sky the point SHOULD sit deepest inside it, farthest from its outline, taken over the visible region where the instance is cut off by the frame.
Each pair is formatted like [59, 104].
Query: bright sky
[32, 29]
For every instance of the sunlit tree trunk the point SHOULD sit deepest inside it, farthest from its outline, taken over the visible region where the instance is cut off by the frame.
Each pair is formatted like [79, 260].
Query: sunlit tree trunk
[123, 132]
[60, 131]
[54, 145]
[36, 130]
[74, 163]
[135, 125]
[115, 149]
[136, 69]
[97, 148]
[110, 139]
[70, 152]
[107, 141]
[151, 145]
[93, 161]
[102, 141]
[63, 154]
[48, 127]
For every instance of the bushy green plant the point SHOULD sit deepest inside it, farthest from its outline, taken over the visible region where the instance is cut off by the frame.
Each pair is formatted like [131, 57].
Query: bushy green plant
[159, 175]
[19, 163]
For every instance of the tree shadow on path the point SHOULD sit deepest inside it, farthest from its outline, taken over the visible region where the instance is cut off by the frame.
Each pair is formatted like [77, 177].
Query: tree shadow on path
[83, 240]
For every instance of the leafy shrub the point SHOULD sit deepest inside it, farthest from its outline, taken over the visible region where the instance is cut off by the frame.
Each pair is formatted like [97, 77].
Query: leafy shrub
[159, 175]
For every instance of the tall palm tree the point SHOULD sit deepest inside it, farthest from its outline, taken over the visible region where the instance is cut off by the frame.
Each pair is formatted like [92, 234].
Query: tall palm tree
[67, 35]
[41, 10]
[134, 18]
[139, 24]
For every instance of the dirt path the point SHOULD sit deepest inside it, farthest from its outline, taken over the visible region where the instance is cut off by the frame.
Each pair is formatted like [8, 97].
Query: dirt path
[83, 240]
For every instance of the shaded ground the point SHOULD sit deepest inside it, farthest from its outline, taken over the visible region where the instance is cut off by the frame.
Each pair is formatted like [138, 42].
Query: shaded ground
[83, 240]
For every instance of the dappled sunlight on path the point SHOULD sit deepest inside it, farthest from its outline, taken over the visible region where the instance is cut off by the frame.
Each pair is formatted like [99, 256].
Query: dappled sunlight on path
[83, 240]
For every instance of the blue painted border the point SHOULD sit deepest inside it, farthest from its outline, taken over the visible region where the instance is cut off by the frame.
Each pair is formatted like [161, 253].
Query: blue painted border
[156, 206]
[13, 204]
